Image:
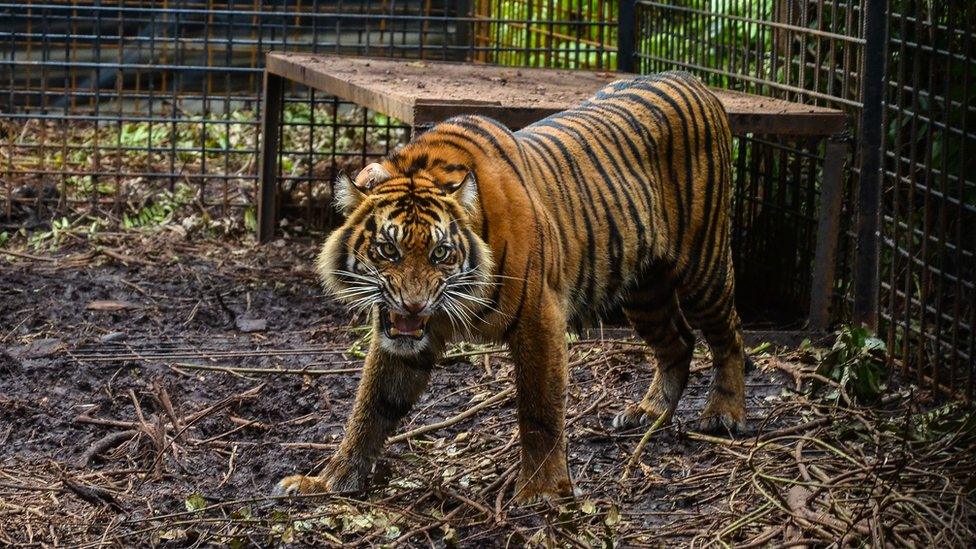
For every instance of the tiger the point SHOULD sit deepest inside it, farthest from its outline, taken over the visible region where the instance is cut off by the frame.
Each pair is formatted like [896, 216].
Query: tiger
[474, 232]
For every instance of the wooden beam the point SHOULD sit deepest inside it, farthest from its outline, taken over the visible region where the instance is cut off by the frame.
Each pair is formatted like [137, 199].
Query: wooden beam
[425, 92]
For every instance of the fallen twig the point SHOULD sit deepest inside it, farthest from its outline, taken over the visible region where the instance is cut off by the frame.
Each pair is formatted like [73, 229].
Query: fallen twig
[119, 256]
[23, 255]
[92, 494]
[455, 419]
[108, 441]
[268, 371]
[635, 457]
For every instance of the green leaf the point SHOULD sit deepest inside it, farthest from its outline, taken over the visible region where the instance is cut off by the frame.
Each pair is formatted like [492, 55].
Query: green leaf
[279, 516]
[242, 513]
[251, 219]
[760, 348]
[195, 502]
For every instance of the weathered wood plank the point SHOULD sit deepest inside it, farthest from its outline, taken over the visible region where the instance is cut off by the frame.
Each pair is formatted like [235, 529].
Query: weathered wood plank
[425, 92]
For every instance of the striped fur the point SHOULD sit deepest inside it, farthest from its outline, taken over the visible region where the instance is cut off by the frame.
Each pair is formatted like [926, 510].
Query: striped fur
[624, 200]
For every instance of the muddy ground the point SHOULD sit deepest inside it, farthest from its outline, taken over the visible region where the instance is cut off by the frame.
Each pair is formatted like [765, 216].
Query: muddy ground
[153, 390]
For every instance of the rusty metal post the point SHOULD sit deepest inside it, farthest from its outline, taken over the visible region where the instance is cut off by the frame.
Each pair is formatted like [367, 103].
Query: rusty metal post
[866, 290]
[626, 35]
[828, 232]
[268, 162]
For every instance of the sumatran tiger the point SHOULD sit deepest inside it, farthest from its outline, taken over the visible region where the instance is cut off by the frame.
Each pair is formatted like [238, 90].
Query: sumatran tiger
[472, 231]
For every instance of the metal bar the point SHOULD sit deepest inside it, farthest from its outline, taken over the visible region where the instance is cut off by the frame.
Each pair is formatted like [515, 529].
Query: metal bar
[464, 30]
[800, 29]
[866, 289]
[626, 35]
[828, 230]
[270, 127]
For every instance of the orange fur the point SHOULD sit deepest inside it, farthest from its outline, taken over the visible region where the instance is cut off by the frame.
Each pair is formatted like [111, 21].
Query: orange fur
[624, 199]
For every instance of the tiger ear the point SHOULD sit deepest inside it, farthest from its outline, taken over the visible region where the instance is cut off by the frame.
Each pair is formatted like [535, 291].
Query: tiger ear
[464, 191]
[349, 193]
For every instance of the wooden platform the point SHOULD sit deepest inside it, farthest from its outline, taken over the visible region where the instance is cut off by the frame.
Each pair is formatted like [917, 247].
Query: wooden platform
[422, 93]
[425, 92]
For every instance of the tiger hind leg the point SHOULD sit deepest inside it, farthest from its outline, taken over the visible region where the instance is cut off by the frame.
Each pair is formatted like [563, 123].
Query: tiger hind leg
[653, 311]
[725, 409]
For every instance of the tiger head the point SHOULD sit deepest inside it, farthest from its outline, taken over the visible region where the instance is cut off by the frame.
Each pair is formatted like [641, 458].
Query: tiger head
[407, 250]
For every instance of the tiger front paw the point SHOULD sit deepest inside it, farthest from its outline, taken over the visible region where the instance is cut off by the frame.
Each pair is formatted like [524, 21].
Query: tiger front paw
[338, 476]
[723, 416]
[637, 415]
[300, 485]
[534, 490]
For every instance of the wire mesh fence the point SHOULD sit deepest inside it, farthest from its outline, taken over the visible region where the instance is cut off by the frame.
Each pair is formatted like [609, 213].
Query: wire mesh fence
[128, 112]
[928, 230]
[125, 111]
[812, 51]
[534, 33]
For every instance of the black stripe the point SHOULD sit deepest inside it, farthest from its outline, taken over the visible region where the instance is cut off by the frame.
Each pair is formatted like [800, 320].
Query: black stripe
[514, 320]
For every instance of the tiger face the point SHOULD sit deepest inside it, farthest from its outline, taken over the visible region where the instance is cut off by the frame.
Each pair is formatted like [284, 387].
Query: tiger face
[407, 251]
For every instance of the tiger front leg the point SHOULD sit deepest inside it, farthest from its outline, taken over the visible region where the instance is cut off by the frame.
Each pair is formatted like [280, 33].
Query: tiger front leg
[538, 349]
[388, 390]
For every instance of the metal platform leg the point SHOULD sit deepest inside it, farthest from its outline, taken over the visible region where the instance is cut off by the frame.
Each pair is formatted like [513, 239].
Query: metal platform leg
[828, 231]
[268, 167]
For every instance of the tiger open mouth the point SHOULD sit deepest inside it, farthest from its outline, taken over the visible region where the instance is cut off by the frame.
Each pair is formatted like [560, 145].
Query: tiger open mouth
[401, 326]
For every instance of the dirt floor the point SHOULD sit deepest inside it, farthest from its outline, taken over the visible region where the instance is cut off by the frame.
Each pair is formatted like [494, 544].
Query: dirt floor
[154, 389]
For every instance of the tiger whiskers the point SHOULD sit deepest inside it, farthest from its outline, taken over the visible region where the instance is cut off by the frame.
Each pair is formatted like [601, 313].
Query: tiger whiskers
[484, 302]
[454, 298]
[458, 281]
[361, 291]
[458, 314]
[460, 321]
[356, 276]
[366, 302]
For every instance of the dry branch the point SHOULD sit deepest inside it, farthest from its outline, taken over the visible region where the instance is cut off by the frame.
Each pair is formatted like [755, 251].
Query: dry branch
[455, 419]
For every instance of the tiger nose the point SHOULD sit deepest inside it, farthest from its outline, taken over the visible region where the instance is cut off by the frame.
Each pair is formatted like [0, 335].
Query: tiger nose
[414, 307]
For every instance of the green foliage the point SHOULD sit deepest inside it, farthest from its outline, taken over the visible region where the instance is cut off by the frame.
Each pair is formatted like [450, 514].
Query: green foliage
[195, 502]
[953, 425]
[929, 107]
[84, 186]
[359, 348]
[159, 210]
[142, 134]
[149, 215]
[711, 40]
[251, 219]
[207, 157]
[52, 238]
[857, 363]
[540, 34]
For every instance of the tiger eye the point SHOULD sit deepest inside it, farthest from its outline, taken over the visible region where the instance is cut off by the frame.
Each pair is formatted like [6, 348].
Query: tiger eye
[440, 253]
[388, 251]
